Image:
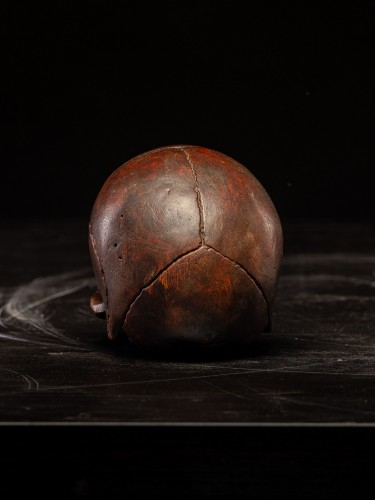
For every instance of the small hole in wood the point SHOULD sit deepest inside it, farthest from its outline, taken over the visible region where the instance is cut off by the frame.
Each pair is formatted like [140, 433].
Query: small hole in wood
[115, 245]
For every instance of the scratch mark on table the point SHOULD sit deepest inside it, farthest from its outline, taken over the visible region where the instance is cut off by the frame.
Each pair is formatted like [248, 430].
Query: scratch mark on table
[23, 316]
[225, 391]
[199, 377]
[31, 382]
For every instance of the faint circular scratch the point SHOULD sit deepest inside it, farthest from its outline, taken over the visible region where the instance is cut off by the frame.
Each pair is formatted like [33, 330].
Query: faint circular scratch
[31, 383]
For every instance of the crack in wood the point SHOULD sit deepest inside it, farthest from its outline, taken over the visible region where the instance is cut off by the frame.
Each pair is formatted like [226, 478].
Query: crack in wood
[249, 275]
[155, 278]
[182, 256]
[199, 197]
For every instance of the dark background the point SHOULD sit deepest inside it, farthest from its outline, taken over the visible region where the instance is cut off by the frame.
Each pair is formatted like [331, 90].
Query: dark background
[287, 91]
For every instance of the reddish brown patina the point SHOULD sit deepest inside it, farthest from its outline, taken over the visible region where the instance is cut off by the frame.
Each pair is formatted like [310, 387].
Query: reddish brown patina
[186, 247]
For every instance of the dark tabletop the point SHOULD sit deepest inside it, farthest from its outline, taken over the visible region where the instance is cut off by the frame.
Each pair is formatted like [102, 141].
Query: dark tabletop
[292, 415]
[317, 365]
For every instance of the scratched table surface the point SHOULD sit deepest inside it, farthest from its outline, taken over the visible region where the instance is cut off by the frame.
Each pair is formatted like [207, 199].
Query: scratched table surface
[317, 365]
[293, 415]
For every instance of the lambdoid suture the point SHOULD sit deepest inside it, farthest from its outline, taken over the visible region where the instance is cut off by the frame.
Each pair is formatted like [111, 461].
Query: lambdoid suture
[186, 246]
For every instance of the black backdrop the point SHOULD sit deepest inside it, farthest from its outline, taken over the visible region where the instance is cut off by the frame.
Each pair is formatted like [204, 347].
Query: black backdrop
[287, 91]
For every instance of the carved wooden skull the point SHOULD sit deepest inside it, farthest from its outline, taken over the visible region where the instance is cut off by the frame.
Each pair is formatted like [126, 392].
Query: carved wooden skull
[186, 247]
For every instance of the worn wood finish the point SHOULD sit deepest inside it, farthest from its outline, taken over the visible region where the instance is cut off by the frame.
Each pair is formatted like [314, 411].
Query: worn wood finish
[145, 216]
[171, 309]
[180, 238]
